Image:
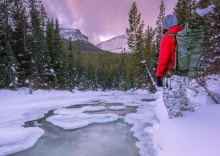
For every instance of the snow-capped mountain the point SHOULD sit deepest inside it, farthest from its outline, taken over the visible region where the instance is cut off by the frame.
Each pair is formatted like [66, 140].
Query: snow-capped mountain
[75, 34]
[116, 44]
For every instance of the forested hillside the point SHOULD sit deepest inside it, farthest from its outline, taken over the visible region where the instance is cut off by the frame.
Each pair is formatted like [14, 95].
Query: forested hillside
[33, 54]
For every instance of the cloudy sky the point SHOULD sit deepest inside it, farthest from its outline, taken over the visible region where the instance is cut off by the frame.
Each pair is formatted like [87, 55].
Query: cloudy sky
[102, 19]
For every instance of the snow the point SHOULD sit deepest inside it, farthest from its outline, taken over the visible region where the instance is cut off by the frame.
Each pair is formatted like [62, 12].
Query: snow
[116, 44]
[74, 34]
[15, 139]
[196, 133]
[65, 111]
[203, 12]
[80, 120]
[117, 108]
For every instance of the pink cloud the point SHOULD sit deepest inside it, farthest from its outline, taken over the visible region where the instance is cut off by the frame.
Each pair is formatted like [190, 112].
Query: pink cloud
[102, 17]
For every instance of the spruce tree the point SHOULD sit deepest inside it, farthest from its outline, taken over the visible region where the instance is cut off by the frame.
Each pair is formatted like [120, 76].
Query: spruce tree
[135, 30]
[159, 29]
[19, 35]
[5, 39]
[36, 47]
[150, 49]
[3, 67]
[80, 76]
[211, 27]
[50, 39]
[60, 58]
[3, 55]
[183, 11]
[12, 66]
[149, 55]
[91, 70]
[71, 65]
[136, 43]
[45, 61]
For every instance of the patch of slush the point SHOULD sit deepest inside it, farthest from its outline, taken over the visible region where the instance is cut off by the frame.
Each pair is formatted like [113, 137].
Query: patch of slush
[80, 120]
[16, 139]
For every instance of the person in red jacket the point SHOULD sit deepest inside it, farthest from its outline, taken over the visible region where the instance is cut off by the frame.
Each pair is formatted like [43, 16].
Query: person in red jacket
[167, 47]
[175, 96]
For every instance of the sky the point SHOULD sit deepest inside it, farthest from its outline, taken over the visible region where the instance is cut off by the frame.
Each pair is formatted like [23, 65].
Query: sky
[101, 20]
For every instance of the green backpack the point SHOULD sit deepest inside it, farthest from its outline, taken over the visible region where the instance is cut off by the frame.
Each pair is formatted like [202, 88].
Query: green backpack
[188, 51]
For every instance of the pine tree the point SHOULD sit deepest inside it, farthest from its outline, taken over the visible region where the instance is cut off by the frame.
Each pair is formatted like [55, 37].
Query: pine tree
[50, 35]
[149, 56]
[183, 11]
[136, 43]
[36, 47]
[63, 72]
[5, 39]
[3, 67]
[5, 25]
[150, 48]
[12, 67]
[211, 44]
[91, 70]
[159, 29]
[19, 35]
[45, 61]
[158, 33]
[80, 77]
[60, 58]
[135, 30]
[71, 65]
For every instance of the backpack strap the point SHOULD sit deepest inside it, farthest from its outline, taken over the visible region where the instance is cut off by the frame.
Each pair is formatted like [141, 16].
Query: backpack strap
[169, 74]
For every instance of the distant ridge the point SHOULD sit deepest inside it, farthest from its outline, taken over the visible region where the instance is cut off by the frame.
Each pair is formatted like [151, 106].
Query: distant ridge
[116, 44]
[74, 34]
[78, 39]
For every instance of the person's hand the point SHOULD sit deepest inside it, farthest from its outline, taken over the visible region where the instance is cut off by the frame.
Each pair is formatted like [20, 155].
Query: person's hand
[159, 82]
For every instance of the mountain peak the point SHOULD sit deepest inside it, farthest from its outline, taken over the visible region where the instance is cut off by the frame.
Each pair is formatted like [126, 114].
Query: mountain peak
[74, 34]
[116, 44]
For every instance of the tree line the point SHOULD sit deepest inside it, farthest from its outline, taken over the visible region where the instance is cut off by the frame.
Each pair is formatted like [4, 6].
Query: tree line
[33, 54]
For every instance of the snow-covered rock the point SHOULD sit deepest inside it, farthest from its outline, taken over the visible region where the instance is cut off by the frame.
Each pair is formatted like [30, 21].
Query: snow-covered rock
[116, 44]
[75, 34]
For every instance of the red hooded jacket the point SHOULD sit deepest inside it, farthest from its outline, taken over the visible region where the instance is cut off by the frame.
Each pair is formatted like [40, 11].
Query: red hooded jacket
[167, 52]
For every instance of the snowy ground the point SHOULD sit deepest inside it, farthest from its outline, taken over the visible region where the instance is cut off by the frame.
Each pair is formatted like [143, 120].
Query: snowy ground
[193, 134]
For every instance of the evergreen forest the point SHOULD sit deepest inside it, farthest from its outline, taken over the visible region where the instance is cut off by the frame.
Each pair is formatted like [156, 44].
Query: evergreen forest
[33, 54]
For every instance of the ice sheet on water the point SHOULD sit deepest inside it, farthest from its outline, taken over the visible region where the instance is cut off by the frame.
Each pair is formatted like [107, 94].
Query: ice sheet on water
[117, 108]
[65, 111]
[15, 139]
[93, 108]
[80, 120]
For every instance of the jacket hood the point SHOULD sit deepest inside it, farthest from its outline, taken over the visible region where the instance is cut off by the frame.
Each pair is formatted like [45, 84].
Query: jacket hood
[169, 21]
[174, 30]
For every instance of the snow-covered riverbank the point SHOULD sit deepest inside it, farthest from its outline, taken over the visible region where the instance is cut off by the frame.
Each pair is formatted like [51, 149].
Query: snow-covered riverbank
[193, 134]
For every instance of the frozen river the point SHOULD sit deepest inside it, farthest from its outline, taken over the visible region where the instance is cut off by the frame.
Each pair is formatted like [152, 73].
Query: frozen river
[84, 123]
[98, 139]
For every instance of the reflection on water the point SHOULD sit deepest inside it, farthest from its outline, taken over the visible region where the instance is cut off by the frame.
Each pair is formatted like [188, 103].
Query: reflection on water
[94, 140]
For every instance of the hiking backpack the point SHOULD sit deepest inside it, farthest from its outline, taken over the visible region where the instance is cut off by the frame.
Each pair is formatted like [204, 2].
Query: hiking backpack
[188, 51]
